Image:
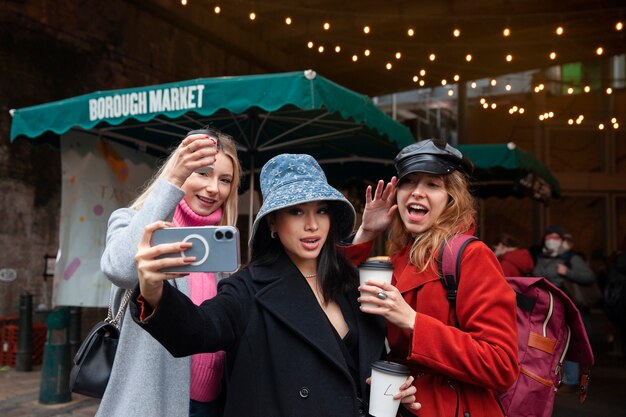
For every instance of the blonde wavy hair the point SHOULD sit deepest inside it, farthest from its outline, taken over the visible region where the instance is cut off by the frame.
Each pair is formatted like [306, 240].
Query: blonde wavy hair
[458, 217]
[226, 145]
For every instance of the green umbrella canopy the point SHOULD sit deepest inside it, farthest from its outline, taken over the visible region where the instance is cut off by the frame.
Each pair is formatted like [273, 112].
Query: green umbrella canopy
[297, 112]
[504, 170]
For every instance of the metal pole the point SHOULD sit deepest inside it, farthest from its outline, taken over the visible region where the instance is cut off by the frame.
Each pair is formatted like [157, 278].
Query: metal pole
[251, 206]
[74, 330]
[24, 356]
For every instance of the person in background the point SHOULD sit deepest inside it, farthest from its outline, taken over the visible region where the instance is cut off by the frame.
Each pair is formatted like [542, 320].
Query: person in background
[557, 264]
[296, 343]
[146, 380]
[459, 355]
[515, 261]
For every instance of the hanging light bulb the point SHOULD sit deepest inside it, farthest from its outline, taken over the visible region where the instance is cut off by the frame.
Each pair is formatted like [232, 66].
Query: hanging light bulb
[366, 29]
[310, 45]
[614, 120]
[456, 77]
[509, 58]
[482, 100]
[493, 82]
[355, 58]
[601, 126]
[410, 32]
[422, 82]
[506, 32]
[337, 48]
[493, 105]
[456, 33]
[485, 105]
[570, 122]
[521, 110]
[252, 16]
[553, 55]
[450, 93]
[366, 52]
[468, 57]
[473, 84]
[415, 78]
[541, 117]
[600, 50]
[287, 20]
[217, 9]
[432, 57]
[320, 49]
[183, 2]
[619, 26]
[609, 90]
[398, 55]
[615, 126]
[422, 72]
[570, 90]
[388, 66]
[326, 25]
[587, 89]
[559, 31]
[507, 87]
[444, 82]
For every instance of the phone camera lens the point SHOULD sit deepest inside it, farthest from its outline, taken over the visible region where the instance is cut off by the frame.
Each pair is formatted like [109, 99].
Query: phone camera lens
[229, 234]
[219, 235]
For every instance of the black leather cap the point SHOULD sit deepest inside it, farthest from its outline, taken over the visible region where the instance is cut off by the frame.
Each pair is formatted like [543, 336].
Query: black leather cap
[432, 158]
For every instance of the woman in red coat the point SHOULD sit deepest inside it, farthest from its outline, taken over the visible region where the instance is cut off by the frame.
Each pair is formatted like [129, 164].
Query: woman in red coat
[457, 370]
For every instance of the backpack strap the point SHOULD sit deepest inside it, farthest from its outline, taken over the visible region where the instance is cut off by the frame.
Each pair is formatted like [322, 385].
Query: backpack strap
[449, 265]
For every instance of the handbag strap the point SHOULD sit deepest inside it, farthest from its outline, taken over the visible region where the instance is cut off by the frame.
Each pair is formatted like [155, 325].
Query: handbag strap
[116, 321]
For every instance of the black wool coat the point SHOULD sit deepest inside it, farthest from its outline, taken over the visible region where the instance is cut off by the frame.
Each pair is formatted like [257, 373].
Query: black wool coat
[282, 355]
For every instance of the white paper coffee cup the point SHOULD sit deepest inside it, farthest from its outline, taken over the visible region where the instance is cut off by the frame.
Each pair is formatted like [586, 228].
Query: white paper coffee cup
[386, 380]
[376, 271]
[211, 134]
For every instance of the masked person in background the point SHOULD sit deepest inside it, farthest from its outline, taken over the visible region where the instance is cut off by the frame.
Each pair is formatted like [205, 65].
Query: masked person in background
[458, 356]
[558, 265]
[146, 380]
[296, 343]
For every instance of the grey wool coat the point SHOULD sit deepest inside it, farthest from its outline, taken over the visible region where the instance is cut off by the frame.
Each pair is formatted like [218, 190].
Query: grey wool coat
[146, 379]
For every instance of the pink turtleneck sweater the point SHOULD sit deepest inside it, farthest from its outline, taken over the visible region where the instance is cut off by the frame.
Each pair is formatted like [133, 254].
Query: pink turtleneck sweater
[206, 368]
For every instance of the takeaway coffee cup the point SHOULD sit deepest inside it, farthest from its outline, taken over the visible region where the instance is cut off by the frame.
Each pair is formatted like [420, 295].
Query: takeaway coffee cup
[211, 134]
[375, 270]
[386, 380]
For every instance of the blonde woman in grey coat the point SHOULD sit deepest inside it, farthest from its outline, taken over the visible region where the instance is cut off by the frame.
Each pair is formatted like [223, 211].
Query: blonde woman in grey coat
[146, 380]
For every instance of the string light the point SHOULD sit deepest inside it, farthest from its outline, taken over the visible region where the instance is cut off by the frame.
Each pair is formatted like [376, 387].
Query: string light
[493, 82]
[570, 90]
[509, 58]
[432, 57]
[609, 90]
[422, 83]
[415, 78]
[506, 32]
[493, 105]
[587, 89]
[553, 55]
[570, 122]
[468, 57]
[559, 31]
[482, 100]
[600, 50]
[444, 82]
[450, 93]
[320, 49]
[615, 126]
[287, 20]
[252, 16]
[326, 26]
[388, 66]
[410, 32]
[355, 58]
[614, 120]
[619, 26]
[601, 126]
[485, 105]
[456, 77]
[521, 110]
[217, 9]
[183, 2]
[473, 84]
[337, 48]
[422, 72]
[507, 87]
[366, 52]
[366, 29]
[456, 33]
[310, 45]
[398, 55]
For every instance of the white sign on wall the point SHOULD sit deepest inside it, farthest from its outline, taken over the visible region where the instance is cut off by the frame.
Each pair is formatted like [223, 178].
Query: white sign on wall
[98, 176]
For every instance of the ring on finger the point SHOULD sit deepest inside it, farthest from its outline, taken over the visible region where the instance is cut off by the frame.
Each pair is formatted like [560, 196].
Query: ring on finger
[381, 295]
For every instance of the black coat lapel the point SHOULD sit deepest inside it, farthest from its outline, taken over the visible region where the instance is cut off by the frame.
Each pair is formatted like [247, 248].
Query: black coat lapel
[290, 300]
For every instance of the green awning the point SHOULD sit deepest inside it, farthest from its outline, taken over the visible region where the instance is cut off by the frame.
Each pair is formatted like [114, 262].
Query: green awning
[504, 170]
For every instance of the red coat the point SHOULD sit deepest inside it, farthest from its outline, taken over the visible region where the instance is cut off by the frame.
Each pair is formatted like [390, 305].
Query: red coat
[476, 361]
[517, 263]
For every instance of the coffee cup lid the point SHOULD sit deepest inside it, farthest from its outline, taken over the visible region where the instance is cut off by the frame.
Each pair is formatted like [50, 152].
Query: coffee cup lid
[376, 264]
[391, 367]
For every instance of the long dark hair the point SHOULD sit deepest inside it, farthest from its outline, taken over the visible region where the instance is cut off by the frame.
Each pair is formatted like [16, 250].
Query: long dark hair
[335, 274]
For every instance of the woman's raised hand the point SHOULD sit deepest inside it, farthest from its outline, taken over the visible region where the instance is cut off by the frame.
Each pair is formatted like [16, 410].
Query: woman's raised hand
[193, 153]
[148, 266]
[379, 211]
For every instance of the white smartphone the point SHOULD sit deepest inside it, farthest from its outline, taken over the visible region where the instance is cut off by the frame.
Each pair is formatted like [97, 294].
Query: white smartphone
[216, 248]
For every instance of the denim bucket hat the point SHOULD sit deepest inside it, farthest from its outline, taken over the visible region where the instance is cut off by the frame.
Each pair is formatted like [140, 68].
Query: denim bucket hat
[290, 179]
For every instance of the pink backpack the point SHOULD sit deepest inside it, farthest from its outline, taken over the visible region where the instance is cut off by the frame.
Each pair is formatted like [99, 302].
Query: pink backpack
[550, 331]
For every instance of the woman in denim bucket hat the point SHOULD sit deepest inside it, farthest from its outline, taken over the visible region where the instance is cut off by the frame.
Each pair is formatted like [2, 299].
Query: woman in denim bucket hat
[296, 343]
[460, 352]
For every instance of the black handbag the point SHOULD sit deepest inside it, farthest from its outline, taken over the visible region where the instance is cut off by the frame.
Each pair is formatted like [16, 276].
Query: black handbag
[94, 359]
